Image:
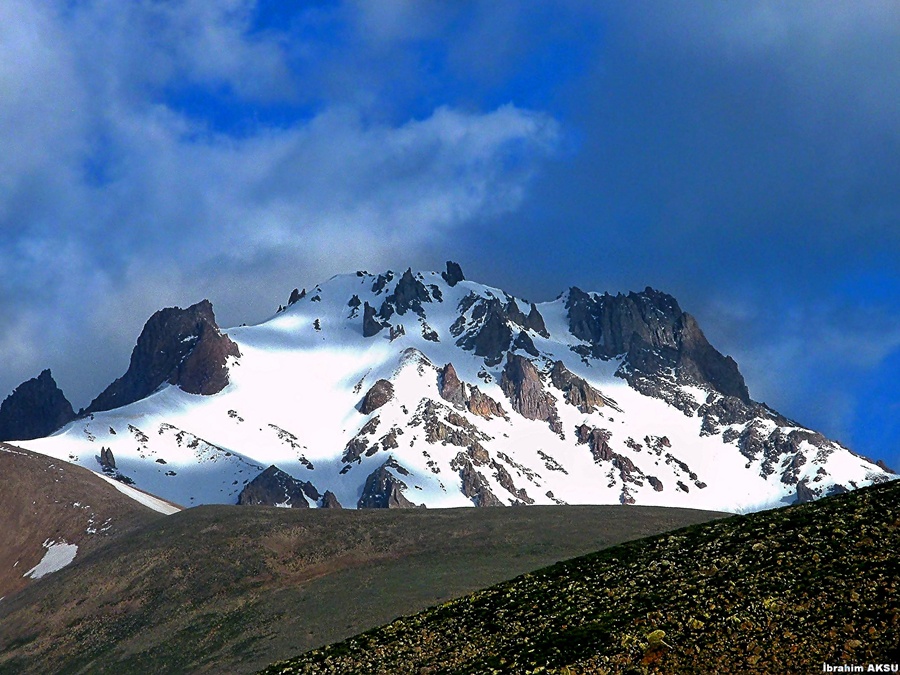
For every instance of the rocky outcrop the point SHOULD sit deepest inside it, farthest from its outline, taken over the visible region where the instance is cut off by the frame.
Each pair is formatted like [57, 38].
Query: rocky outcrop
[490, 334]
[454, 273]
[274, 487]
[650, 328]
[577, 391]
[523, 387]
[524, 342]
[107, 460]
[380, 393]
[483, 405]
[178, 346]
[371, 326]
[506, 482]
[472, 484]
[457, 392]
[383, 490]
[450, 387]
[597, 440]
[757, 441]
[36, 408]
[456, 430]
[804, 493]
[534, 321]
[513, 313]
[296, 296]
[329, 501]
[408, 295]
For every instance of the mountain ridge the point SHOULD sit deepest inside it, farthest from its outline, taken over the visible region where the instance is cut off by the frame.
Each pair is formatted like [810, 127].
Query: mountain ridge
[589, 398]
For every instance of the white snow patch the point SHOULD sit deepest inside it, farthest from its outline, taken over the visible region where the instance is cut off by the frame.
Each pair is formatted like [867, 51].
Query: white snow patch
[142, 497]
[58, 555]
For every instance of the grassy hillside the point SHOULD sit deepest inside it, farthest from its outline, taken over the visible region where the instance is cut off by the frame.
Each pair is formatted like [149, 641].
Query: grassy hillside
[45, 500]
[783, 591]
[230, 589]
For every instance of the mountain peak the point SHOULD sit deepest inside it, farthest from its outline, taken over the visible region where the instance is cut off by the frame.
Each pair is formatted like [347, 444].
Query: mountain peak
[36, 408]
[177, 346]
[408, 390]
[655, 336]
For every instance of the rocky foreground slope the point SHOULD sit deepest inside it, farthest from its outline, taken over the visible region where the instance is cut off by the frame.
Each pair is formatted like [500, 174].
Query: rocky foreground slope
[782, 591]
[426, 389]
[227, 589]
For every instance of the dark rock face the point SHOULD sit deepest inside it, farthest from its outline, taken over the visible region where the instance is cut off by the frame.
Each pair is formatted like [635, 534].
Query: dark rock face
[577, 391]
[329, 501]
[524, 342]
[275, 487]
[804, 493]
[597, 440]
[473, 484]
[491, 334]
[179, 346]
[371, 325]
[107, 460]
[534, 321]
[35, 409]
[383, 490]
[454, 273]
[656, 336]
[513, 313]
[409, 294]
[296, 296]
[522, 385]
[452, 389]
[380, 393]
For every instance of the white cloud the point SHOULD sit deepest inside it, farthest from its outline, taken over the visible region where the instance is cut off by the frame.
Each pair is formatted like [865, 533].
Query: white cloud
[113, 203]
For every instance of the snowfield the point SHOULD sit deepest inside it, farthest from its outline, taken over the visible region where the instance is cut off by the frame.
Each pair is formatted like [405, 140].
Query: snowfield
[294, 396]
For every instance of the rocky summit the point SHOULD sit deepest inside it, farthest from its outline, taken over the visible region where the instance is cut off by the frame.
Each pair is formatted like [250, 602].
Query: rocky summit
[409, 389]
[36, 408]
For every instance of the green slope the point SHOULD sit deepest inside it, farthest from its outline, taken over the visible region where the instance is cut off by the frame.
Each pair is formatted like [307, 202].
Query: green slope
[221, 589]
[782, 591]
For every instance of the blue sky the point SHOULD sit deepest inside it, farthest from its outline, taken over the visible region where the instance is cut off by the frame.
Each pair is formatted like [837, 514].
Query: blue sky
[742, 156]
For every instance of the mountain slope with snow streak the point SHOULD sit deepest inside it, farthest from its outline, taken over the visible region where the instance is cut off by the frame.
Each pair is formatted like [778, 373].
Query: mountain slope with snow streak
[588, 399]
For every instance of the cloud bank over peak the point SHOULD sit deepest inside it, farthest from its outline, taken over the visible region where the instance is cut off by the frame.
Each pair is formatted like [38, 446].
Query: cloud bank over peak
[124, 186]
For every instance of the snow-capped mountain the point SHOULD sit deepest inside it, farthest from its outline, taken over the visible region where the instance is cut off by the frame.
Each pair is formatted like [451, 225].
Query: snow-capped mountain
[427, 389]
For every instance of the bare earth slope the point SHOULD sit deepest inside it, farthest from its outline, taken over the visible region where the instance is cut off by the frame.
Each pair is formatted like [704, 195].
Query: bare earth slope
[782, 591]
[49, 504]
[230, 589]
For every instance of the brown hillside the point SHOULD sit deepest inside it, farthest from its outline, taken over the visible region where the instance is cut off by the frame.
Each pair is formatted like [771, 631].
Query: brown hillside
[229, 589]
[43, 499]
